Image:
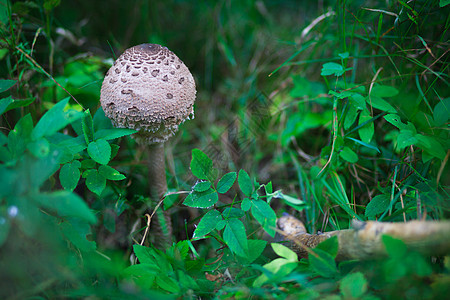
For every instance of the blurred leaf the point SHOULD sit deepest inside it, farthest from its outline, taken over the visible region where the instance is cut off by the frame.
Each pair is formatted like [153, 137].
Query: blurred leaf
[144, 254]
[227, 51]
[110, 173]
[348, 155]
[201, 165]
[66, 204]
[377, 205]
[443, 3]
[202, 186]
[358, 101]
[265, 216]
[383, 91]
[168, 284]
[431, 145]
[394, 247]
[201, 199]
[246, 204]
[88, 127]
[284, 252]
[226, 182]
[323, 263]
[76, 231]
[4, 103]
[353, 286]
[351, 116]
[6, 84]
[255, 249]
[111, 134]
[235, 237]
[55, 119]
[5, 225]
[208, 223]
[16, 103]
[330, 246]
[245, 183]
[332, 69]
[100, 151]
[20, 136]
[69, 175]
[381, 104]
[395, 120]
[406, 138]
[441, 112]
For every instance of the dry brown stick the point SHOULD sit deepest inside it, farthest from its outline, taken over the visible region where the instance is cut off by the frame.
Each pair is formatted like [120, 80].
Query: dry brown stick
[364, 241]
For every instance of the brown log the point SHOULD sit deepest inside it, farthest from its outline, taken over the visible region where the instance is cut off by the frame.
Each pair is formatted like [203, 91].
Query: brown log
[363, 241]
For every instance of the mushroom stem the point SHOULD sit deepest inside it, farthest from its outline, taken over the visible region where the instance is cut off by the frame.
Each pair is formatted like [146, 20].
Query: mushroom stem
[158, 188]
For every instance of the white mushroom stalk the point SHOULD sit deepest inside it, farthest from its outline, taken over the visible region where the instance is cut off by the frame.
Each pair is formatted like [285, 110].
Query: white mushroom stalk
[151, 90]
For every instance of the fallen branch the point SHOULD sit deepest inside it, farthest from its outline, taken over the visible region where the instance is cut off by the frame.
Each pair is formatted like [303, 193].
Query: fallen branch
[363, 241]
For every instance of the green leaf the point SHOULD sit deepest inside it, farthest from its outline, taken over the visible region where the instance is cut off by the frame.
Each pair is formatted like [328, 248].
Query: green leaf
[202, 199]
[381, 104]
[145, 255]
[246, 204]
[288, 199]
[6, 84]
[88, 127]
[20, 136]
[4, 103]
[202, 186]
[208, 223]
[366, 132]
[16, 103]
[443, 3]
[201, 165]
[348, 155]
[332, 69]
[395, 120]
[255, 249]
[431, 146]
[406, 138]
[66, 204]
[284, 252]
[323, 263]
[100, 151]
[394, 247]
[353, 286]
[377, 205]
[76, 231]
[232, 212]
[383, 91]
[235, 237]
[350, 117]
[358, 101]
[69, 175]
[226, 182]
[55, 119]
[111, 134]
[168, 284]
[39, 148]
[330, 246]
[95, 182]
[110, 173]
[441, 112]
[265, 215]
[245, 183]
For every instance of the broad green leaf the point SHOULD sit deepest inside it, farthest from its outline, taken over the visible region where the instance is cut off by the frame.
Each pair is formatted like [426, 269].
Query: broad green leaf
[443, 3]
[20, 136]
[146, 270]
[95, 182]
[235, 237]
[246, 204]
[144, 254]
[88, 127]
[377, 205]
[208, 223]
[288, 199]
[330, 246]
[202, 186]
[168, 284]
[431, 145]
[39, 148]
[100, 151]
[395, 120]
[265, 215]
[111, 134]
[367, 131]
[232, 212]
[383, 91]
[245, 183]
[381, 104]
[441, 112]
[6, 84]
[69, 175]
[340, 95]
[394, 247]
[16, 103]
[323, 263]
[284, 252]
[55, 119]
[348, 155]
[358, 101]
[202, 199]
[66, 204]
[406, 138]
[350, 117]
[255, 249]
[110, 173]
[201, 165]
[332, 69]
[353, 286]
[275, 271]
[226, 182]
[76, 231]
[4, 103]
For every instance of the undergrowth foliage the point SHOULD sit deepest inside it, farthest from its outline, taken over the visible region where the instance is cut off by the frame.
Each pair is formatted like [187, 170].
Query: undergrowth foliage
[341, 108]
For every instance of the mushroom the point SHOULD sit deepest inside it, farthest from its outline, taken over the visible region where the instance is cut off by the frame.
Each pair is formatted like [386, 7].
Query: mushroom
[151, 90]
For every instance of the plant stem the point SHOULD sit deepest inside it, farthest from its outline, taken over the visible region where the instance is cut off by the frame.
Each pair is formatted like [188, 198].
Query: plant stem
[158, 188]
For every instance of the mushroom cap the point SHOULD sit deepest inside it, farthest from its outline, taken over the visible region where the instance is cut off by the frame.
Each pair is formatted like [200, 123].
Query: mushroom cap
[148, 89]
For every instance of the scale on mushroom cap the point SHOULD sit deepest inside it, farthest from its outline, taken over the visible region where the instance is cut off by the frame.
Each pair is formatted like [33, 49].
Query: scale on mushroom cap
[151, 90]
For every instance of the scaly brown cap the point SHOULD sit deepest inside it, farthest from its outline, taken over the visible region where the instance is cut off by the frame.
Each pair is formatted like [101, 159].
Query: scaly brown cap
[148, 89]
